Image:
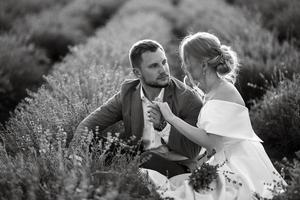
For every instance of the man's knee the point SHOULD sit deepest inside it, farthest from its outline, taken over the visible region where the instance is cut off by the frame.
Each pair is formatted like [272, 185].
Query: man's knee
[156, 162]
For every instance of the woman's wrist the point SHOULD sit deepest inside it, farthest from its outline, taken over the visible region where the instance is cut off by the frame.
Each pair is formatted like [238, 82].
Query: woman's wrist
[171, 119]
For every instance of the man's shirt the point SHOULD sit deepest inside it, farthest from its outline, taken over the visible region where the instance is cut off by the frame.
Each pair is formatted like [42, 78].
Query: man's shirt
[151, 137]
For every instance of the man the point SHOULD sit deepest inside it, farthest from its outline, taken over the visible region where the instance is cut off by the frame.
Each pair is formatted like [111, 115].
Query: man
[168, 148]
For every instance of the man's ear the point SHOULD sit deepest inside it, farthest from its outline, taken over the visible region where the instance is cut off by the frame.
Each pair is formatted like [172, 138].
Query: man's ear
[137, 72]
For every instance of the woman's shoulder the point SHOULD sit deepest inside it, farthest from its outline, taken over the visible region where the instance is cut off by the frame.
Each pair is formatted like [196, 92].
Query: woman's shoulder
[228, 92]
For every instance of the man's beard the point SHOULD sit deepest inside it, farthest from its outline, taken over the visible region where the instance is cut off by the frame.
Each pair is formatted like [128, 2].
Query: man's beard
[156, 85]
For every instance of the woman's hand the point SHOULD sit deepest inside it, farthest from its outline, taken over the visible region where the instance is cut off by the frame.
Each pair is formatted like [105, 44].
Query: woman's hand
[155, 116]
[164, 109]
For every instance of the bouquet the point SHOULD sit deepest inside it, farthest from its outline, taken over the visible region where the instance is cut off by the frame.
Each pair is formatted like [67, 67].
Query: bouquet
[203, 176]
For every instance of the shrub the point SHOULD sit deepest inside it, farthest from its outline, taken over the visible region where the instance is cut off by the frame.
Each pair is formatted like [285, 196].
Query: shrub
[213, 16]
[64, 102]
[95, 12]
[286, 23]
[280, 15]
[83, 82]
[58, 28]
[111, 44]
[16, 9]
[53, 31]
[262, 64]
[291, 171]
[260, 54]
[168, 10]
[276, 118]
[22, 67]
[163, 8]
[38, 133]
[5, 21]
[50, 174]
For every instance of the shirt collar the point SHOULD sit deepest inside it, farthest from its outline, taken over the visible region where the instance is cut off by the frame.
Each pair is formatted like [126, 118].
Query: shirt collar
[158, 98]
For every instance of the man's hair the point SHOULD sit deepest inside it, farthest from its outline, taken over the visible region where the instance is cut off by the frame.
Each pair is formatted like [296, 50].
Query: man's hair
[140, 47]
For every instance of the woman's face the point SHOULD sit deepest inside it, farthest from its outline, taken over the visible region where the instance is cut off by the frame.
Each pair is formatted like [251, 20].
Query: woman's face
[196, 69]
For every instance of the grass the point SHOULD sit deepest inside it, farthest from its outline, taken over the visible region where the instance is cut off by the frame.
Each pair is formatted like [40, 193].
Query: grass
[35, 164]
[34, 154]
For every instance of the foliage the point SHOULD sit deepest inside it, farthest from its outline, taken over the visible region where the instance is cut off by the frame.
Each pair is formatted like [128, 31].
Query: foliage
[34, 159]
[83, 82]
[276, 118]
[280, 15]
[58, 28]
[262, 64]
[51, 174]
[163, 8]
[14, 9]
[168, 10]
[22, 67]
[36, 137]
[291, 170]
[95, 12]
[45, 33]
[261, 55]
[202, 177]
[62, 103]
[110, 48]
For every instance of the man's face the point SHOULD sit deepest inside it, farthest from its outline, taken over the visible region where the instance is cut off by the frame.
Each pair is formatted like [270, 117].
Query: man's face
[154, 69]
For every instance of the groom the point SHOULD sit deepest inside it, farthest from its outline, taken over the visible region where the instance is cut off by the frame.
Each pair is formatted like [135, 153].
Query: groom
[168, 149]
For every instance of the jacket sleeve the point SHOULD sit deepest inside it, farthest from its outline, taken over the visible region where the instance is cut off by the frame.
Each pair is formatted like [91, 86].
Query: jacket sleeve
[189, 113]
[104, 116]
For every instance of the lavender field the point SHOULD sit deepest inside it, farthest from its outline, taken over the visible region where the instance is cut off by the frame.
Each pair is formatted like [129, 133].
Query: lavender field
[60, 60]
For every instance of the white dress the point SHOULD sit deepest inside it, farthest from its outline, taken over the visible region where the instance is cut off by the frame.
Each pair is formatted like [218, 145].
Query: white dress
[244, 169]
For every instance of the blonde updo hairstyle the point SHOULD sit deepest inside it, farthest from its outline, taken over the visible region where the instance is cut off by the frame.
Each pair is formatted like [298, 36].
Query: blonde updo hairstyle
[206, 46]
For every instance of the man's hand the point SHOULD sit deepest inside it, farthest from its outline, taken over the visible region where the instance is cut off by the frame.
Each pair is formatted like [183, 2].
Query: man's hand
[156, 117]
[165, 111]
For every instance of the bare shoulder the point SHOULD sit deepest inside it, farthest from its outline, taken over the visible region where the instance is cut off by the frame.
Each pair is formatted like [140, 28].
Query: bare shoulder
[228, 92]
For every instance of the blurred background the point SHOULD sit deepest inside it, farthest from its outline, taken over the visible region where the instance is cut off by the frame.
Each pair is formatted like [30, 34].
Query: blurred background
[37, 36]
[61, 59]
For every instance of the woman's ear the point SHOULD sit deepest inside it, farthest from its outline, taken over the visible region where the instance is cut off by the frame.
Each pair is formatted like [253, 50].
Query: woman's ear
[204, 68]
[205, 65]
[137, 72]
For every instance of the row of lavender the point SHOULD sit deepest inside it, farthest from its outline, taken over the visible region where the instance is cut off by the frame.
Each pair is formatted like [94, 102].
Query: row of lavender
[38, 133]
[34, 34]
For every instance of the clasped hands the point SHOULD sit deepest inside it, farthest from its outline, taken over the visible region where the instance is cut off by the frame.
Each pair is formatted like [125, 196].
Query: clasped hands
[158, 112]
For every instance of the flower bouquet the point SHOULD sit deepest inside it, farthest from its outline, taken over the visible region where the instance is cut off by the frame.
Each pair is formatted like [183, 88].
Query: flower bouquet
[202, 177]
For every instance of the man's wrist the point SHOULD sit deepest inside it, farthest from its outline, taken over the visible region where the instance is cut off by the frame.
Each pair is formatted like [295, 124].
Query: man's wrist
[161, 125]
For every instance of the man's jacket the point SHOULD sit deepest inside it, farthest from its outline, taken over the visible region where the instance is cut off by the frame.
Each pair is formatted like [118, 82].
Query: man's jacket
[126, 105]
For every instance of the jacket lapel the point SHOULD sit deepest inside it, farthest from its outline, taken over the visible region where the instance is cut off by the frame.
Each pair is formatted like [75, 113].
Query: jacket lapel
[168, 95]
[137, 116]
[169, 92]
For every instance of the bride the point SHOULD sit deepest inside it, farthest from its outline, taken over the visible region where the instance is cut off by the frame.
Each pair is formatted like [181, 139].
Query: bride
[223, 129]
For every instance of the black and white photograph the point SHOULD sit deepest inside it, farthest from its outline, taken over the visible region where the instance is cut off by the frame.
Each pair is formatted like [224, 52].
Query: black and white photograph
[149, 99]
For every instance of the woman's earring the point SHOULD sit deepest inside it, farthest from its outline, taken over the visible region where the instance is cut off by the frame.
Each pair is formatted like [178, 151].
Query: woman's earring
[203, 71]
[204, 67]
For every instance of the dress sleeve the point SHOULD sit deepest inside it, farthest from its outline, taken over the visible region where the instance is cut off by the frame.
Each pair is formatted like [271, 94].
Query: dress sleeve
[226, 119]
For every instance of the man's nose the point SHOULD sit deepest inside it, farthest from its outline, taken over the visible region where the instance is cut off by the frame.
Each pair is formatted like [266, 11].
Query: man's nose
[162, 68]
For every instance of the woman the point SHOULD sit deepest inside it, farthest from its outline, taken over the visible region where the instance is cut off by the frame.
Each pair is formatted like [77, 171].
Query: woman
[223, 128]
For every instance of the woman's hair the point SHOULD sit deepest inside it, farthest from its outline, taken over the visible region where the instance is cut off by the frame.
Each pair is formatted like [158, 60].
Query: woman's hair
[207, 47]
